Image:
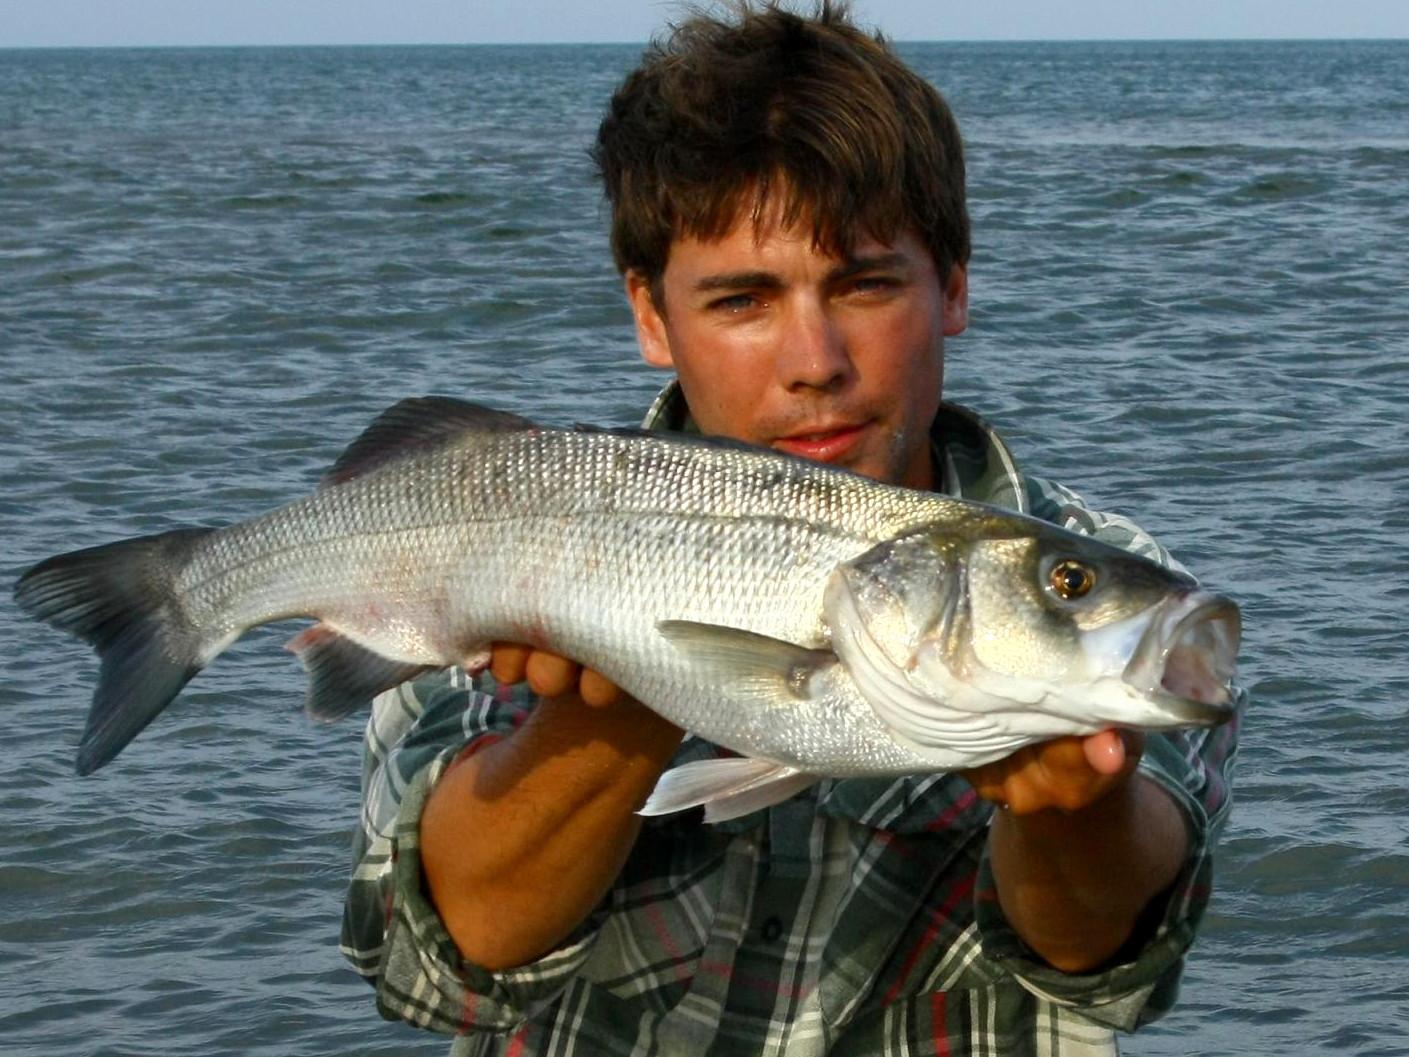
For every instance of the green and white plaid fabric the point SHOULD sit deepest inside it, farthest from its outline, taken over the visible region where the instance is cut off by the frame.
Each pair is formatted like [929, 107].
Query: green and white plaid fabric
[857, 918]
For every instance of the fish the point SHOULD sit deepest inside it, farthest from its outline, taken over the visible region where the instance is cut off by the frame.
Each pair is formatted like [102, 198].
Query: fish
[811, 621]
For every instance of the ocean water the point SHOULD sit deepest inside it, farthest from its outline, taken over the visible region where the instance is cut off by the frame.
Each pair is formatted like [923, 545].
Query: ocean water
[1189, 302]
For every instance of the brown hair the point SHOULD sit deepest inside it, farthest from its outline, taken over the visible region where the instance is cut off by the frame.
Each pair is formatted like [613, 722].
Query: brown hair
[723, 114]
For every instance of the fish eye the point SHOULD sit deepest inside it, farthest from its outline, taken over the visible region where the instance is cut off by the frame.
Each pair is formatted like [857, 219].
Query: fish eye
[1071, 579]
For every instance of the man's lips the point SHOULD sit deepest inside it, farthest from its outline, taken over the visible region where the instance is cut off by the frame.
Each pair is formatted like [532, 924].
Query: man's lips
[823, 445]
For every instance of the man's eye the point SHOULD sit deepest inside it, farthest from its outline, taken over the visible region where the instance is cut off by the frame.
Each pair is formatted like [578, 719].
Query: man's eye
[733, 303]
[868, 284]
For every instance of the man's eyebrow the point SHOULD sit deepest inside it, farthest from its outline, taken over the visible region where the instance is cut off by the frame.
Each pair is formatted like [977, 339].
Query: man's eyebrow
[737, 281]
[866, 263]
[760, 279]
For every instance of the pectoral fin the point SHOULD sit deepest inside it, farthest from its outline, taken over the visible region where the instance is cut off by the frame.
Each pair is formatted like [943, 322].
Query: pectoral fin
[748, 665]
[727, 788]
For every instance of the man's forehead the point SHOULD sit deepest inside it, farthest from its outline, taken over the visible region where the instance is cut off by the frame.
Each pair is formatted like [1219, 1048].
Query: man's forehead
[761, 239]
[777, 209]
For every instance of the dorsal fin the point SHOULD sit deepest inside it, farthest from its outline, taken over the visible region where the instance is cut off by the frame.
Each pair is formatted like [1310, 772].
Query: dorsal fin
[417, 424]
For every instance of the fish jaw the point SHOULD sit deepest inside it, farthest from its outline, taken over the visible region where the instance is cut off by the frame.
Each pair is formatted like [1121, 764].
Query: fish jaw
[1186, 657]
[1171, 666]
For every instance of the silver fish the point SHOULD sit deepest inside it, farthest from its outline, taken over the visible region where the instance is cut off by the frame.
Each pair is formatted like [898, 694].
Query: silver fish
[815, 621]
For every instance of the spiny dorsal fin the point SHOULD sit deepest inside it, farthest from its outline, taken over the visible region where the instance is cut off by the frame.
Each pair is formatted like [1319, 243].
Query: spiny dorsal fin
[418, 424]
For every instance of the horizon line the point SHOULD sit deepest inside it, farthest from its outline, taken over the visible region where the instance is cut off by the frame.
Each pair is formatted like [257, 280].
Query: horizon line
[643, 43]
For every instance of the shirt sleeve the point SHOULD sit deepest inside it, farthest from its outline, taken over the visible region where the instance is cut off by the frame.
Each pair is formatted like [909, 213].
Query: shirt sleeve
[392, 933]
[1195, 768]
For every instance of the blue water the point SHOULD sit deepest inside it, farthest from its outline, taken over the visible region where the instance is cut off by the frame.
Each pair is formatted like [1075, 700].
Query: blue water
[1189, 301]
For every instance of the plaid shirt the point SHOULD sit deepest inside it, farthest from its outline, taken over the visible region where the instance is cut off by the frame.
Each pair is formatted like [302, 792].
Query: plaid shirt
[859, 917]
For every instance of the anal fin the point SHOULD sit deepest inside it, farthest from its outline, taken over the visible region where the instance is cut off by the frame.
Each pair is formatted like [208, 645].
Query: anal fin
[344, 676]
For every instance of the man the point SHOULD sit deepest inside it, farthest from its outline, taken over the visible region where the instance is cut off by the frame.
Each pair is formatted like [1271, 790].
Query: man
[788, 215]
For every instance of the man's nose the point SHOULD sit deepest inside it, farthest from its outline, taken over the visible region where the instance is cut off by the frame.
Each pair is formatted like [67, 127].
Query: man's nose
[815, 353]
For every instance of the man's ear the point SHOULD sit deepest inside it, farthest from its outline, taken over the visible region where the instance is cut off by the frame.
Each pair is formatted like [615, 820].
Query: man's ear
[956, 301]
[651, 333]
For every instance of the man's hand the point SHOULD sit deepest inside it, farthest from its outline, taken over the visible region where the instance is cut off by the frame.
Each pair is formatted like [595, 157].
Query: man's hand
[1085, 845]
[522, 836]
[1067, 774]
[551, 675]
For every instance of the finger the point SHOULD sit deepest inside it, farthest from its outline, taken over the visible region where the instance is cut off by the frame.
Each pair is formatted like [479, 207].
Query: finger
[597, 690]
[1105, 752]
[551, 675]
[508, 662]
[1112, 751]
[1061, 776]
[1049, 774]
[995, 781]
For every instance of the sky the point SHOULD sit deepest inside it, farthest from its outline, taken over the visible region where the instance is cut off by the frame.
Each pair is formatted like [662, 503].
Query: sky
[101, 23]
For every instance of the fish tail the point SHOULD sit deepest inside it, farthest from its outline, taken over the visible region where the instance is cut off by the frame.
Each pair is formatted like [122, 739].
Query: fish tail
[121, 599]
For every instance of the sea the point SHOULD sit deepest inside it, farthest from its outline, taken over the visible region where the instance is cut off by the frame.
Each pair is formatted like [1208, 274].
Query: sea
[1189, 302]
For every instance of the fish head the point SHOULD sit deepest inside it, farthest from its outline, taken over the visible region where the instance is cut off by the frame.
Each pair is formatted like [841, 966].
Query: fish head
[1038, 630]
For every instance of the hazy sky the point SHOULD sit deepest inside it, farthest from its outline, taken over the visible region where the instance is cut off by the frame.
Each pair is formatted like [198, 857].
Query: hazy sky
[42, 23]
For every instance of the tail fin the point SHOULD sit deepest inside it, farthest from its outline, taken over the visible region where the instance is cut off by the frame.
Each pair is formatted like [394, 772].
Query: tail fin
[120, 598]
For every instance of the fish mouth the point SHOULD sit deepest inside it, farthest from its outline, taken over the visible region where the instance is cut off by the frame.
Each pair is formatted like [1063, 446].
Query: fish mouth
[1187, 657]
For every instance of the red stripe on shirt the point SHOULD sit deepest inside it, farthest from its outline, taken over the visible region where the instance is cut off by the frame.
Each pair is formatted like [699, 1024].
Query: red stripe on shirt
[963, 890]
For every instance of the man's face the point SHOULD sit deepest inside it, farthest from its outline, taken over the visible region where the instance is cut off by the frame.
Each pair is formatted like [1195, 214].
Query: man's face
[778, 343]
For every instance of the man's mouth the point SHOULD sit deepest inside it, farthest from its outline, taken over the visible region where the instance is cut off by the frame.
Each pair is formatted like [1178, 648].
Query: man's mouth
[823, 445]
